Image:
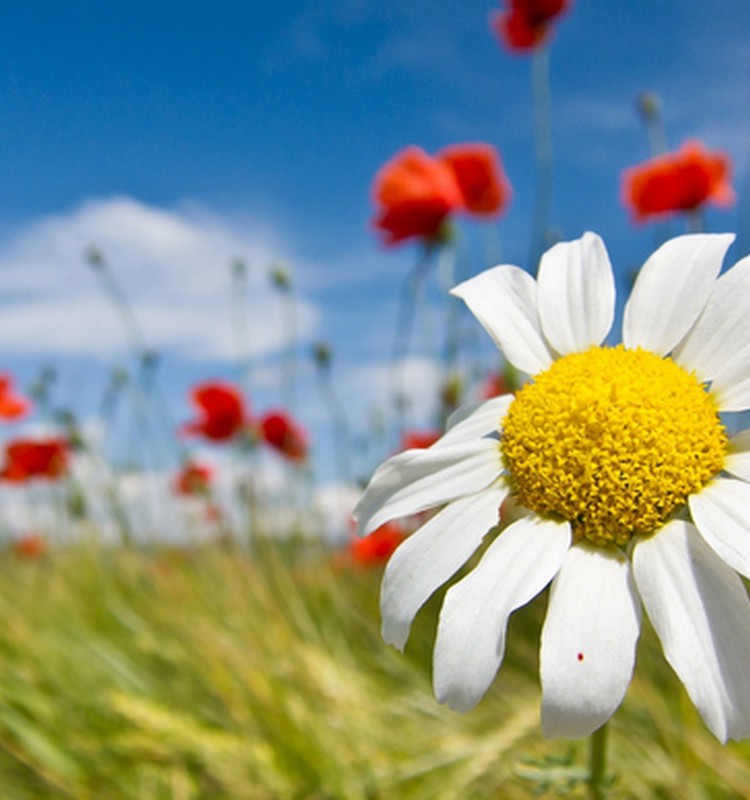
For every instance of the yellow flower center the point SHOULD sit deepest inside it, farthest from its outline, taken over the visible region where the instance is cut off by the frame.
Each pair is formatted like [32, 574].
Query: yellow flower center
[612, 440]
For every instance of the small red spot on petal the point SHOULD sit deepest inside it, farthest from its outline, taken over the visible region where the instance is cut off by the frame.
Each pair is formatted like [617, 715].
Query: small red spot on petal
[580, 656]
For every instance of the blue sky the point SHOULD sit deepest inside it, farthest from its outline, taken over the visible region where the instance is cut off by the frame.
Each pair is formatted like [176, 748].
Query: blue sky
[177, 137]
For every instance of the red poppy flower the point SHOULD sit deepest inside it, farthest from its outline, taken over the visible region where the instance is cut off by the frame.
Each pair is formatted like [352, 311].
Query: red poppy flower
[526, 24]
[494, 386]
[484, 187]
[414, 194]
[12, 406]
[27, 458]
[221, 412]
[279, 431]
[419, 439]
[378, 547]
[30, 545]
[679, 181]
[193, 479]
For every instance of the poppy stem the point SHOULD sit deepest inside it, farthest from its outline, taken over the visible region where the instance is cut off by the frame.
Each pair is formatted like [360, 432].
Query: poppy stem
[282, 281]
[598, 763]
[694, 221]
[339, 420]
[238, 304]
[404, 324]
[650, 108]
[540, 233]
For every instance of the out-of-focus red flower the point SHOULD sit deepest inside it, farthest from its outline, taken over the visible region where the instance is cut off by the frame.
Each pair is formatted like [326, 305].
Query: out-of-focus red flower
[28, 458]
[30, 545]
[12, 406]
[484, 186]
[193, 479]
[494, 386]
[419, 439]
[378, 547]
[221, 412]
[680, 181]
[279, 431]
[526, 23]
[414, 193]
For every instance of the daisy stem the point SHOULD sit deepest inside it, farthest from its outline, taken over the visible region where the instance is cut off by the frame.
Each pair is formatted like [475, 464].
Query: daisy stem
[598, 763]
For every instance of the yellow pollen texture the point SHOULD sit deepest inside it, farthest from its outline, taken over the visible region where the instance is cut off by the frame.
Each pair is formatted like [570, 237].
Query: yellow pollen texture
[612, 440]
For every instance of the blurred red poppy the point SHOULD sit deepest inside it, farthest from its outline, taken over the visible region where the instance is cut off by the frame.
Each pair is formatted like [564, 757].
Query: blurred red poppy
[30, 545]
[419, 439]
[680, 181]
[193, 479]
[485, 189]
[526, 23]
[378, 547]
[414, 194]
[12, 406]
[494, 385]
[221, 410]
[279, 431]
[28, 458]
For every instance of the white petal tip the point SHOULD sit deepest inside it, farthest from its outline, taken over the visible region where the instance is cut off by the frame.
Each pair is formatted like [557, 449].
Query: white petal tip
[569, 727]
[395, 635]
[457, 701]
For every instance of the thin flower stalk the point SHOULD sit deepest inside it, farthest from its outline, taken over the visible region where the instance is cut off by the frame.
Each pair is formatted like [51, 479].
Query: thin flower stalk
[541, 235]
[337, 413]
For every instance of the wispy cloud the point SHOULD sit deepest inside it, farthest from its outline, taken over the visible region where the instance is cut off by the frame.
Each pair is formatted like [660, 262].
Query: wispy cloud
[174, 266]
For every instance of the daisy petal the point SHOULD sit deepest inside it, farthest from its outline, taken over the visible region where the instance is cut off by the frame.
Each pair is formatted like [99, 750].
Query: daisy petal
[416, 480]
[730, 387]
[504, 300]
[588, 641]
[737, 461]
[701, 613]
[470, 640]
[721, 512]
[721, 334]
[475, 421]
[428, 558]
[576, 290]
[671, 290]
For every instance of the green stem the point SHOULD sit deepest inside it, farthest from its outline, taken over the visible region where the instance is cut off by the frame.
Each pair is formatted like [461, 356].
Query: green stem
[598, 763]
[694, 221]
[238, 306]
[541, 236]
[404, 324]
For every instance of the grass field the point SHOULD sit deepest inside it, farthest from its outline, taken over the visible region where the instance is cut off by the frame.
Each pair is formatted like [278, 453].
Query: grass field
[207, 673]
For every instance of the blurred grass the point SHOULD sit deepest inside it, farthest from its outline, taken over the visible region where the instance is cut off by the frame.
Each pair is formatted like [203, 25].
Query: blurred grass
[207, 674]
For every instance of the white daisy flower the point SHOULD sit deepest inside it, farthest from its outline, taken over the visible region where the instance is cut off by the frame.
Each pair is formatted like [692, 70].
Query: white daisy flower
[630, 493]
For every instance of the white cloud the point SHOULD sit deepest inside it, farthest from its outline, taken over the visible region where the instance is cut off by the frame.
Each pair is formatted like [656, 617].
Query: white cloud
[174, 268]
[416, 376]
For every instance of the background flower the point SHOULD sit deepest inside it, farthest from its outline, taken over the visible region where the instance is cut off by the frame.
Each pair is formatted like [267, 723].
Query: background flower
[414, 194]
[676, 182]
[12, 405]
[222, 413]
[282, 433]
[35, 458]
[376, 548]
[419, 439]
[193, 479]
[526, 24]
[478, 171]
